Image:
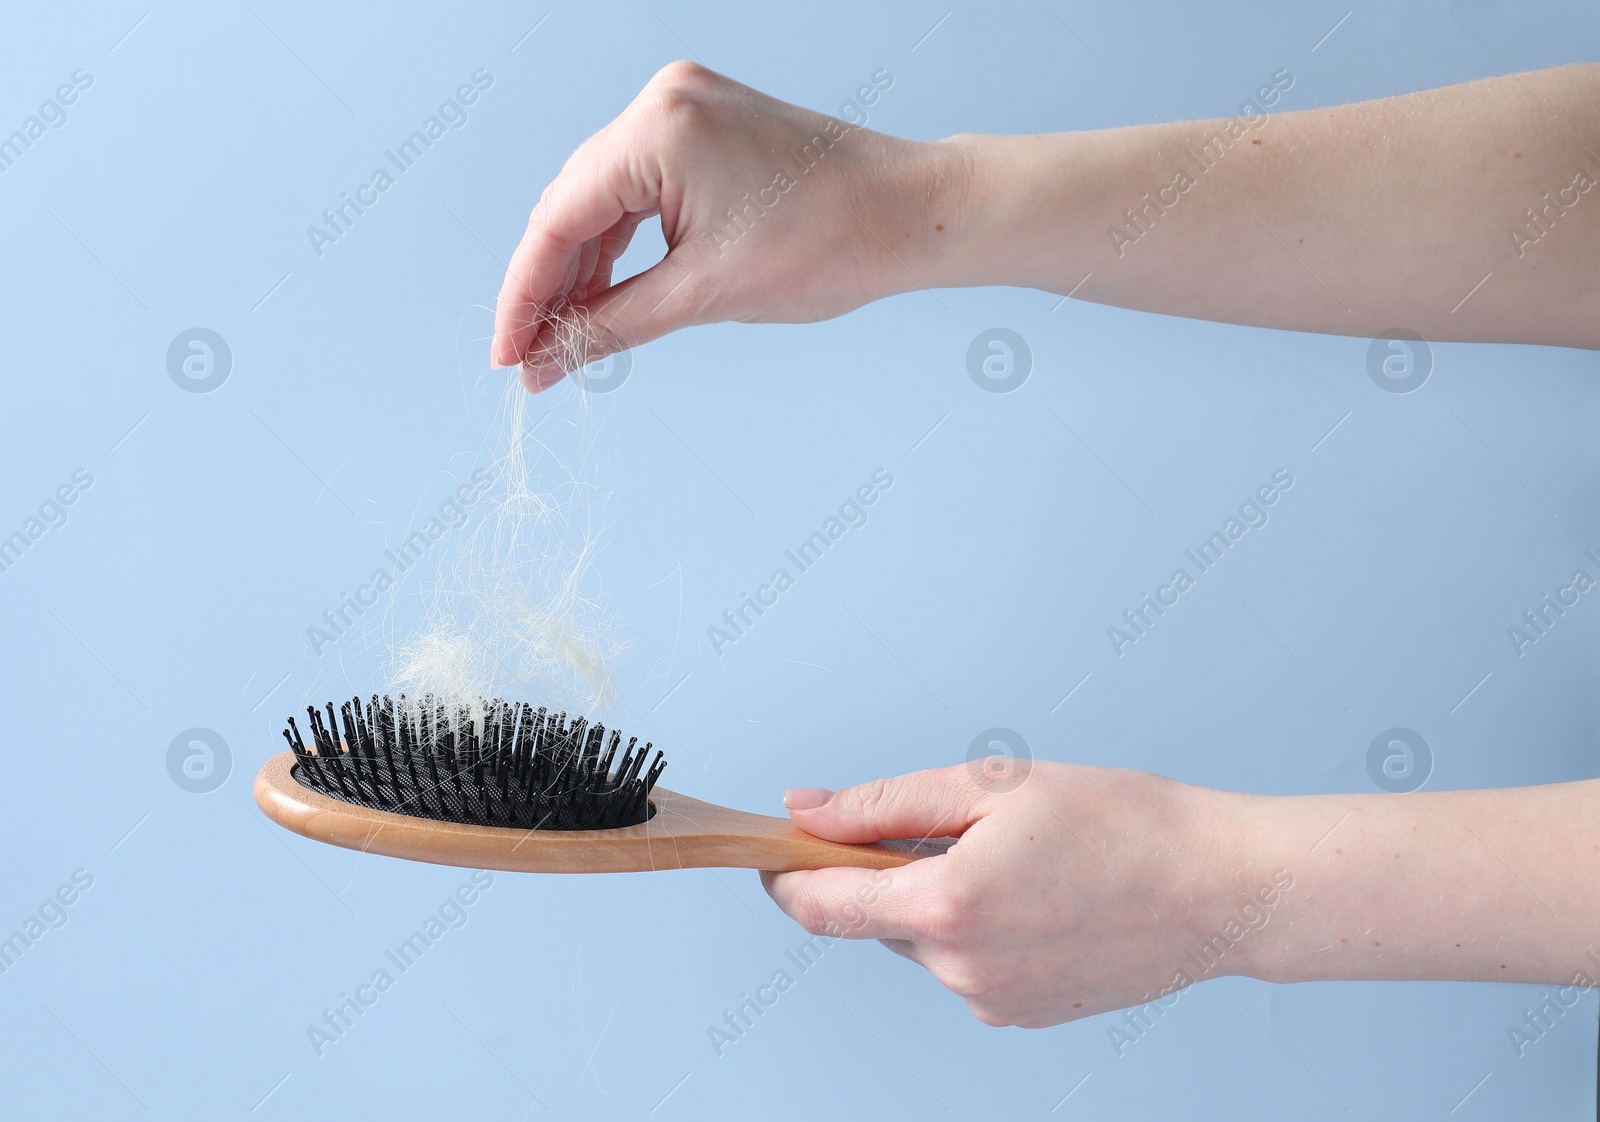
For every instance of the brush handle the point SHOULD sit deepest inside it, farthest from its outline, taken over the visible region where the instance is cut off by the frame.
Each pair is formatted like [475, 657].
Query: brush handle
[684, 833]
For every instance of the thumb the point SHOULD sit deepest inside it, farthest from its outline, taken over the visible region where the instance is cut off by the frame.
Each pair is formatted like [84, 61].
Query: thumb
[924, 804]
[634, 311]
[657, 301]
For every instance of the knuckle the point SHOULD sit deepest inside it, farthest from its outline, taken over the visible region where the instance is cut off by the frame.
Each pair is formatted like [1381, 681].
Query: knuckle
[542, 220]
[963, 895]
[960, 976]
[873, 796]
[948, 914]
[811, 916]
[989, 1015]
[941, 921]
[956, 980]
[681, 72]
[677, 89]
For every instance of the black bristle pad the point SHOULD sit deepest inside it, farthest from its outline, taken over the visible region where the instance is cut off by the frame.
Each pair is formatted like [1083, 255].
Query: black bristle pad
[503, 764]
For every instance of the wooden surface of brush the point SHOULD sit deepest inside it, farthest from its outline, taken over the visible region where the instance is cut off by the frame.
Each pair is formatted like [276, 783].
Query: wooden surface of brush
[683, 833]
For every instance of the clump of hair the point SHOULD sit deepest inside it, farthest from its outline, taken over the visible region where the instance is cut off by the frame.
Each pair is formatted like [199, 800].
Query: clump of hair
[569, 337]
[511, 612]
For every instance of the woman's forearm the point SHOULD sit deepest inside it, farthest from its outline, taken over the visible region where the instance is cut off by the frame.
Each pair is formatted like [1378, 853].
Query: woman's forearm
[1492, 885]
[1465, 213]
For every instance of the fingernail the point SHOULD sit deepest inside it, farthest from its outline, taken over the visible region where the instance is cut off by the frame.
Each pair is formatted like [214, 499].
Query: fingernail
[806, 798]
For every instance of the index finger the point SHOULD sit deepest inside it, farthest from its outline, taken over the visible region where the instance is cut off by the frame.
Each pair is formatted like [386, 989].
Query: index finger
[852, 903]
[599, 185]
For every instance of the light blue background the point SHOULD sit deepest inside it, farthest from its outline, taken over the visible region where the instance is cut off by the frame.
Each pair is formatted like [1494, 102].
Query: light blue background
[179, 591]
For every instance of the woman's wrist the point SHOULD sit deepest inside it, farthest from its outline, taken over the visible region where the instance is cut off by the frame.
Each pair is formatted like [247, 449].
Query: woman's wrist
[1235, 887]
[1018, 209]
[977, 189]
[1265, 836]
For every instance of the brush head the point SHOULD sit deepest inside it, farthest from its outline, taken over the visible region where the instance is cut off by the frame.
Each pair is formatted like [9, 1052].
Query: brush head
[505, 764]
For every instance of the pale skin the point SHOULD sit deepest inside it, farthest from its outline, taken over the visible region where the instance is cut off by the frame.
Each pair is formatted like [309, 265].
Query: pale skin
[1075, 890]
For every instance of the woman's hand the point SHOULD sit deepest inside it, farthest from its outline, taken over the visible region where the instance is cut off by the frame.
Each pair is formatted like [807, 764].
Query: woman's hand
[1086, 889]
[771, 213]
[1081, 890]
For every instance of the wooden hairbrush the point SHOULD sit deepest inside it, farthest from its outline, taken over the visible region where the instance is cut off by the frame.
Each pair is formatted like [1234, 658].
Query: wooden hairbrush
[508, 787]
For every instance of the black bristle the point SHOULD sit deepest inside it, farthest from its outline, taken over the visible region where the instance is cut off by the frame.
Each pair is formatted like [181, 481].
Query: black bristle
[449, 764]
[329, 762]
[526, 735]
[395, 750]
[429, 751]
[345, 757]
[504, 761]
[503, 764]
[403, 756]
[419, 748]
[611, 752]
[298, 747]
[352, 742]
[632, 762]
